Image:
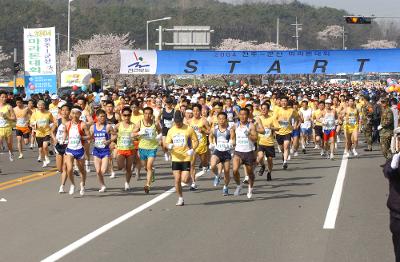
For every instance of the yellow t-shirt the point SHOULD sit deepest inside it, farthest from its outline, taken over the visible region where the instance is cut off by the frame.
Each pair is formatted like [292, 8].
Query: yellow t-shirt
[316, 115]
[256, 113]
[266, 139]
[148, 139]
[136, 119]
[5, 110]
[179, 137]
[53, 109]
[42, 123]
[283, 118]
[124, 139]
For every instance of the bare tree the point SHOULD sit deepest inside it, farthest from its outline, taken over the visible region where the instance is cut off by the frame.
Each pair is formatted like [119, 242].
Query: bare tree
[329, 37]
[373, 44]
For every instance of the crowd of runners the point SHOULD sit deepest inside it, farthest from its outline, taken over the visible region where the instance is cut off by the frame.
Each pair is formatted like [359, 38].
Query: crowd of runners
[201, 131]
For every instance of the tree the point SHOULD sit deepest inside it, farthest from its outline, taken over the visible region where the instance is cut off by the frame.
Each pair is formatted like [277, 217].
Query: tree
[373, 44]
[110, 43]
[329, 37]
[3, 58]
[237, 44]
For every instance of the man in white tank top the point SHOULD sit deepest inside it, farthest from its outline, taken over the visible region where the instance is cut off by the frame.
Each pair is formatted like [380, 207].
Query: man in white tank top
[306, 124]
[245, 137]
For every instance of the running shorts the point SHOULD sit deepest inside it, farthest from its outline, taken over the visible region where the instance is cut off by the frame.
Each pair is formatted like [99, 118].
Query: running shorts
[306, 131]
[78, 154]
[181, 166]
[41, 140]
[125, 153]
[60, 149]
[329, 134]
[145, 154]
[5, 131]
[318, 131]
[223, 156]
[101, 152]
[280, 139]
[24, 132]
[248, 158]
[296, 133]
[269, 151]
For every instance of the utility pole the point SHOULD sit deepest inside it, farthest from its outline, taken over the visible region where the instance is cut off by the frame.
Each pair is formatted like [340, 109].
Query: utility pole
[15, 73]
[277, 31]
[344, 36]
[298, 28]
[58, 60]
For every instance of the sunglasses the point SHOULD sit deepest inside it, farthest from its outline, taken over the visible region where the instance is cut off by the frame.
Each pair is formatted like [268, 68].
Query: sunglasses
[126, 114]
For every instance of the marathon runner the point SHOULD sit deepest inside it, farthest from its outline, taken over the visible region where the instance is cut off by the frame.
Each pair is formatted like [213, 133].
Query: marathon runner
[22, 129]
[7, 115]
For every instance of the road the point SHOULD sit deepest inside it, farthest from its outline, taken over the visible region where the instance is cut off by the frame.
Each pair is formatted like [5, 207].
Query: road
[283, 222]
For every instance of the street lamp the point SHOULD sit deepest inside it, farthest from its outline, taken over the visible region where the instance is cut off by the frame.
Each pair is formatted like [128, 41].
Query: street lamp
[147, 28]
[69, 28]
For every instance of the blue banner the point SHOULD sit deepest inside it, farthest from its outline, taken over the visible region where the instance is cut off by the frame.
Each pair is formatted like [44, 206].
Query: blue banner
[40, 84]
[263, 62]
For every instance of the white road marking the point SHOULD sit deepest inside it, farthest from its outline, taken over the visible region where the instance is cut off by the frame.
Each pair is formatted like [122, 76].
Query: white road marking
[89, 237]
[3, 200]
[333, 208]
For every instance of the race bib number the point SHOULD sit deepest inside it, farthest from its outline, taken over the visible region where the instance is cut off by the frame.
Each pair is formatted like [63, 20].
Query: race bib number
[21, 122]
[149, 133]
[126, 141]
[267, 132]
[74, 141]
[178, 140]
[284, 123]
[230, 116]
[99, 142]
[242, 140]
[3, 122]
[306, 124]
[352, 121]
[167, 123]
[222, 144]
[42, 123]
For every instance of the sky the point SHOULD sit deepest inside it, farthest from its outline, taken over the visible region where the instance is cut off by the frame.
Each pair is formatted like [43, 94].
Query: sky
[356, 7]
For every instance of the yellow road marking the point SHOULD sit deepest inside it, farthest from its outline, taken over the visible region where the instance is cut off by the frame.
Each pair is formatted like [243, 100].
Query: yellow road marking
[27, 179]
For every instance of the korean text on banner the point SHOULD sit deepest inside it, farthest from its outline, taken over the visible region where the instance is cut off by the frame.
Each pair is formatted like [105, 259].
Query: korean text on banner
[40, 60]
[264, 62]
[138, 62]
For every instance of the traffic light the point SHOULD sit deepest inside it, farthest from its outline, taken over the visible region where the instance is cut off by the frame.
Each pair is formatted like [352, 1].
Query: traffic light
[17, 67]
[358, 20]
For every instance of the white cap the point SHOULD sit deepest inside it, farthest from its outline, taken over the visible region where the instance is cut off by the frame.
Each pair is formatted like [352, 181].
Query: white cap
[61, 104]
[328, 101]
[54, 97]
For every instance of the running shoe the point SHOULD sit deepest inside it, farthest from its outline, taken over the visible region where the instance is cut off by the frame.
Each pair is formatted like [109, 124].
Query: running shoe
[39, 159]
[250, 193]
[304, 150]
[76, 173]
[193, 187]
[285, 166]
[332, 157]
[296, 154]
[82, 191]
[180, 202]
[127, 187]
[322, 152]
[166, 158]
[146, 189]
[346, 154]
[355, 152]
[225, 191]
[246, 180]
[261, 171]
[102, 189]
[71, 189]
[269, 178]
[112, 174]
[217, 180]
[11, 157]
[238, 191]
[61, 190]
[20, 156]
[289, 157]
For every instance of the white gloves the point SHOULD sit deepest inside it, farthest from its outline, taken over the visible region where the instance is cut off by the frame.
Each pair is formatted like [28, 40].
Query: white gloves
[189, 152]
[395, 161]
[141, 132]
[380, 127]
[231, 144]
[170, 146]
[211, 146]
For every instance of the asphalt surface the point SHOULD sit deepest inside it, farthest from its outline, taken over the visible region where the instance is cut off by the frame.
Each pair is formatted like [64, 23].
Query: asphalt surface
[283, 222]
